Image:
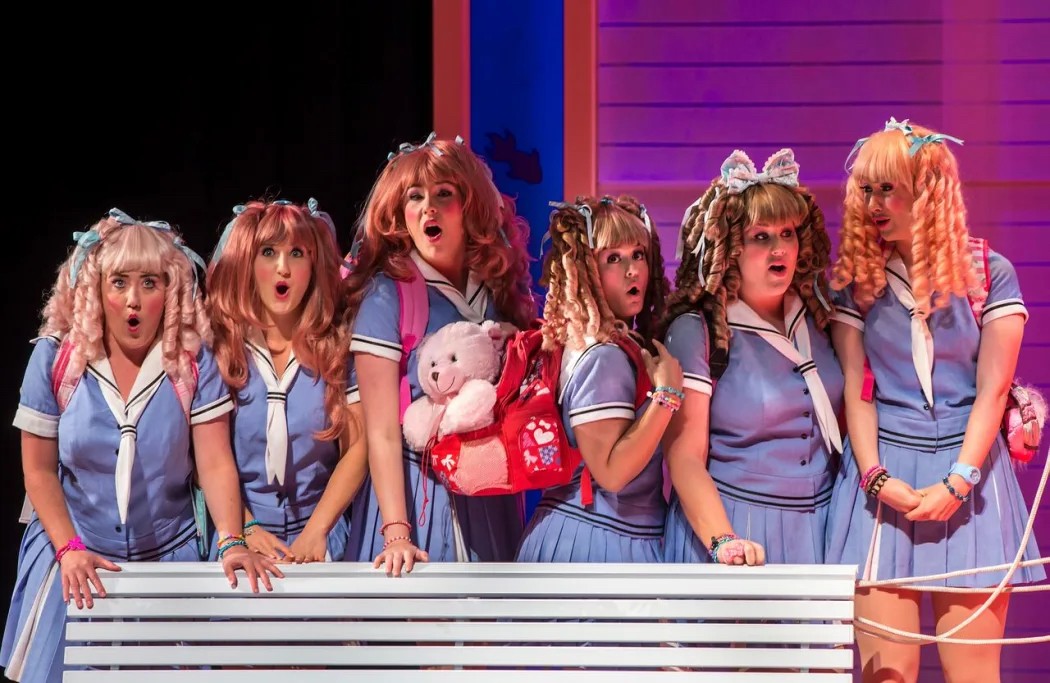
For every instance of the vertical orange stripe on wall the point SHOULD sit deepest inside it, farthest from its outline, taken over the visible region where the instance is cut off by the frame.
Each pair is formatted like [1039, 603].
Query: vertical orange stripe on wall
[581, 97]
[451, 68]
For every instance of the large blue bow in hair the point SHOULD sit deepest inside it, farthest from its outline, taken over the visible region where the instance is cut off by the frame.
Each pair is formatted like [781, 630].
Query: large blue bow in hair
[905, 128]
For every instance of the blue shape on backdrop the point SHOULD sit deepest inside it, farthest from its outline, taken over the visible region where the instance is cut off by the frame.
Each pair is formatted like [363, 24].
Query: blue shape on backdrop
[516, 104]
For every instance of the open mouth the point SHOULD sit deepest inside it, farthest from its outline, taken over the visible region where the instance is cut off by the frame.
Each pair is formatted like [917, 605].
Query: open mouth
[282, 290]
[634, 291]
[880, 221]
[432, 231]
[779, 269]
[133, 323]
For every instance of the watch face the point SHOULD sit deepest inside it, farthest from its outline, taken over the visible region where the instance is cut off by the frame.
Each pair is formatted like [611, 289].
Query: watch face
[975, 475]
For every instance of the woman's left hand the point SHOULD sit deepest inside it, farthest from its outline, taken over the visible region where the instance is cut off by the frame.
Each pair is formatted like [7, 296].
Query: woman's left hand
[499, 331]
[309, 547]
[254, 565]
[938, 504]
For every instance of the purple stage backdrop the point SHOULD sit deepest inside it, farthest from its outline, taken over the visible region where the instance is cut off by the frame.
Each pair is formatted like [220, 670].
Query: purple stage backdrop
[682, 83]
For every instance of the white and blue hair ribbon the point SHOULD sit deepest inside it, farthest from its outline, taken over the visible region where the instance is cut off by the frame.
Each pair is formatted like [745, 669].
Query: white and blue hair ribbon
[644, 215]
[225, 236]
[905, 128]
[86, 241]
[313, 207]
[408, 147]
[738, 171]
[584, 210]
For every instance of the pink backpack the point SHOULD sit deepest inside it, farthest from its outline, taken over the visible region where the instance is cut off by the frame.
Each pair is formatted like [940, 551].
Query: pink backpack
[413, 314]
[1026, 410]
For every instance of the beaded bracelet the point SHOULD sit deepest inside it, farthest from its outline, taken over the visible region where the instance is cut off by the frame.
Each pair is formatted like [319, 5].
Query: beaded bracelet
[232, 544]
[249, 527]
[382, 529]
[670, 390]
[395, 539]
[876, 485]
[951, 490]
[665, 399]
[75, 543]
[717, 542]
[870, 476]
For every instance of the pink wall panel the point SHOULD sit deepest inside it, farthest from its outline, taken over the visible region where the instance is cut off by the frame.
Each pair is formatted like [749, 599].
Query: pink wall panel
[682, 83]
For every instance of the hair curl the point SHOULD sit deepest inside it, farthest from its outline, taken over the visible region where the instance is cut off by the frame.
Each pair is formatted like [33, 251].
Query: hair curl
[496, 236]
[320, 340]
[576, 307]
[727, 216]
[941, 261]
[75, 311]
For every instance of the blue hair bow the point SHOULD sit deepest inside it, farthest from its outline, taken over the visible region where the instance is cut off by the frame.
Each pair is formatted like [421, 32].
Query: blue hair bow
[584, 210]
[225, 236]
[86, 241]
[905, 128]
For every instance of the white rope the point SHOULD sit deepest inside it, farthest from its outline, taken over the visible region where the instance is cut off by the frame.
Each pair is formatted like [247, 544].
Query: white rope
[946, 637]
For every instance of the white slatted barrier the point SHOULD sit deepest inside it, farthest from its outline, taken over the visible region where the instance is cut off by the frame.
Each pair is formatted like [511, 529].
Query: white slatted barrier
[460, 622]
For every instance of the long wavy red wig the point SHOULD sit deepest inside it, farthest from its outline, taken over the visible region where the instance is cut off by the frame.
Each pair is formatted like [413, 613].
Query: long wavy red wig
[320, 341]
[496, 235]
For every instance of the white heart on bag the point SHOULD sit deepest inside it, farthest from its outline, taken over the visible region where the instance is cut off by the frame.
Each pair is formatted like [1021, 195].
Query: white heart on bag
[543, 436]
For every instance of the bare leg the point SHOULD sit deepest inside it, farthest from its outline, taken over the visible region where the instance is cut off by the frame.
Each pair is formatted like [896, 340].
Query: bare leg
[965, 663]
[885, 661]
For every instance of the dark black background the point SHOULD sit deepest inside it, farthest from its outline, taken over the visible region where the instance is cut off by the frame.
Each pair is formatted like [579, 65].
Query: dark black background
[178, 112]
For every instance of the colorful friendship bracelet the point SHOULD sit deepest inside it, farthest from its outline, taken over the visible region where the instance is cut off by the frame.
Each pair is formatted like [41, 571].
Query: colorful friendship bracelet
[670, 390]
[232, 544]
[665, 399]
[249, 527]
[74, 543]
[871, 475]
[717, 542]
[226, 538]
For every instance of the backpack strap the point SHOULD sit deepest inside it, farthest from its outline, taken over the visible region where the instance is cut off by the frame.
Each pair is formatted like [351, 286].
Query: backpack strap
[63, 384]
[978, 296]
[412, 325]
[187, 390]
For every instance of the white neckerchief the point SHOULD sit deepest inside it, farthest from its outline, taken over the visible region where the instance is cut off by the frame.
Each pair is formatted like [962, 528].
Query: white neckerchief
[276, 412]
[796, 348]
[472, 306]
[921, 339]
[151, 376]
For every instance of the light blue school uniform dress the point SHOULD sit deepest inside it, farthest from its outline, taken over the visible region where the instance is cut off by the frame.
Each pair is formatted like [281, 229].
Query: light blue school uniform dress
[599, 384]
[449, 527]
[283, 467]
[159, 524]
[920, 439]
[770, 456]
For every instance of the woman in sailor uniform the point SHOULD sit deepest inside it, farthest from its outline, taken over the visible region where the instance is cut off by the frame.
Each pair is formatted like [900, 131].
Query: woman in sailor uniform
[434, 211]
[276, 305]
[753, 453]
[117, 388]
[927, 486]
[606, 280]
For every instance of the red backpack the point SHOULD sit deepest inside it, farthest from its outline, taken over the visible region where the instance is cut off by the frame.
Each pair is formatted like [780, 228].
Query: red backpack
[527, 439]
[527, 425]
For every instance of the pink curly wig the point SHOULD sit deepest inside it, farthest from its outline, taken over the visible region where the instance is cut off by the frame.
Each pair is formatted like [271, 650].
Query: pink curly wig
[75, 311]
[320, 340]
[942, 263]
[488, 217]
